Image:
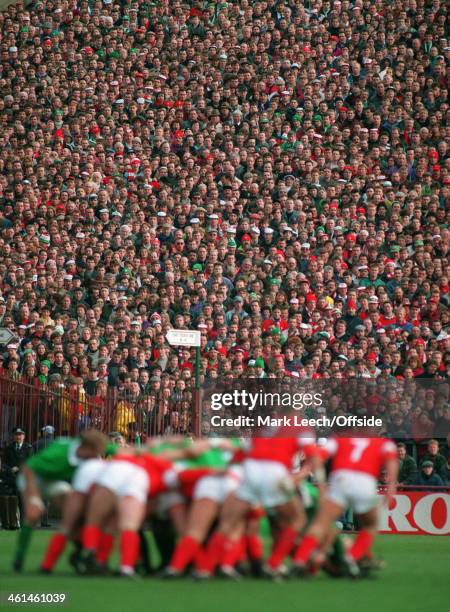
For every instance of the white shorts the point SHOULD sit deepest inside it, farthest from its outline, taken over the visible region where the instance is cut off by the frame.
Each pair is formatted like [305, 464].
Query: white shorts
[87, 474]
[125, 480]
[265, 483]
[47, 488]
[351, 489]
[217, 488]
[235, 471]
[165, 501]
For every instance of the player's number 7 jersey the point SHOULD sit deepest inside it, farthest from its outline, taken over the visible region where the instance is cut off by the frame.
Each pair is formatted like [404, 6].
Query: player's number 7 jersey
[366, 455]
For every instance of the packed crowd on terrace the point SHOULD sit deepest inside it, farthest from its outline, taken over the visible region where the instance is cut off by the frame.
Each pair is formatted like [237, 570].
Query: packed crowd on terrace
[272, 174]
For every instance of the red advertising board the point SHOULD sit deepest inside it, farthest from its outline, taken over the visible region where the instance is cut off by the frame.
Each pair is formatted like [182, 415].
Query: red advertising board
[417, 513]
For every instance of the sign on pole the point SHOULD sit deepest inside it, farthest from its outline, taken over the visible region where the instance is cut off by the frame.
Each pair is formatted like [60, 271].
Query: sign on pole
[183, 337]
[6, 336]
[187, 337]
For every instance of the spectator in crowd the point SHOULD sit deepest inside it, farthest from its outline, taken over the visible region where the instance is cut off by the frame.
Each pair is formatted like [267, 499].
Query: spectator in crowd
[446, 470]
[427, 477]
[46, 438]
[125, 416]
[273, 175]
[438, 460]
[407, 469]
[118, 439]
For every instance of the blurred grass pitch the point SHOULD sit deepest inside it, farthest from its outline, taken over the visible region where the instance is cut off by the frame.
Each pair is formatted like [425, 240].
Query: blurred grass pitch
[416, 580]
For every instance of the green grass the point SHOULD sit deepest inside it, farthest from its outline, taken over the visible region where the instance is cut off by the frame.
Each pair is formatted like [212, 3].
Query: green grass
[415, 580]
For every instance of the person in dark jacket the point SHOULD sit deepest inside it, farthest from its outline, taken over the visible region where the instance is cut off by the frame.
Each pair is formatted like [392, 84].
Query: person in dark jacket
[445, 473]
[427, 477]
[16, 453]
[437, 459]
[407, 468]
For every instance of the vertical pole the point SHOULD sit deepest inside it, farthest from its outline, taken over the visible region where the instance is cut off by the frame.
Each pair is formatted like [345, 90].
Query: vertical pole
[197, 395]
[197, 367]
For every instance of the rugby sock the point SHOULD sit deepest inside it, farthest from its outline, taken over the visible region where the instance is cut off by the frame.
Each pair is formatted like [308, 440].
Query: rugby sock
[254, 546]
[129, 550]
[232, 553]
[361, 545]
[91, 537]
[55, 549]
[23, 543]
[185, 552]
[282, 547]
[306, 548]
[214, 552]
[201, 559]
[105, 547]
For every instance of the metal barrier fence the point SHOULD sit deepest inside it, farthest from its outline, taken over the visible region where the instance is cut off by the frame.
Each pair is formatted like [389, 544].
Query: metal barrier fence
[69, 410]
[445, 488]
